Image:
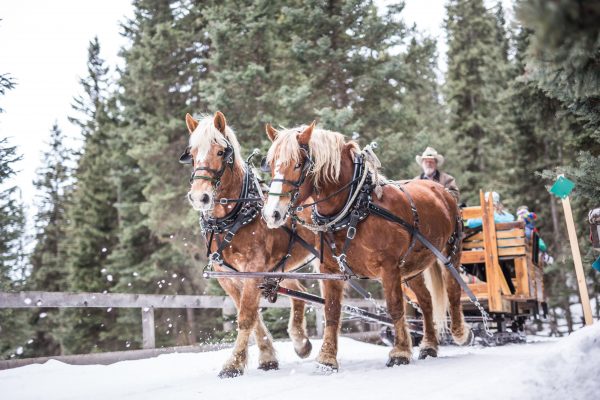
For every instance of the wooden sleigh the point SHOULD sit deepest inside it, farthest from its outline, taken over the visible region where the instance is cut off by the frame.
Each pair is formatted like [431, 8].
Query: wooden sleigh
[512, 283]
[503, 269]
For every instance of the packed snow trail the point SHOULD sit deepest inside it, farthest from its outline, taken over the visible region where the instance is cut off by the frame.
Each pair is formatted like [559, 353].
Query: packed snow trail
[557, 369]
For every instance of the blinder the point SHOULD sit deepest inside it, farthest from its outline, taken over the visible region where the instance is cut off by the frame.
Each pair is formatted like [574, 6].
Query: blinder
[186, 156]
[264, 165]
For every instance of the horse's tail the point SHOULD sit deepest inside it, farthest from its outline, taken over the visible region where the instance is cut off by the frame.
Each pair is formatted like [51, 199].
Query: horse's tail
[435, 283]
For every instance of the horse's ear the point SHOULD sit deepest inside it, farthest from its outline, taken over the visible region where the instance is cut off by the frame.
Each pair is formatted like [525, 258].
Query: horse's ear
[271, 132]
[191, 123]
[220, 122]
[304, 137]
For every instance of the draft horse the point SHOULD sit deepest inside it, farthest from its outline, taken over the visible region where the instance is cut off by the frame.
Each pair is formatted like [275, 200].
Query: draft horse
[349, 201]
[223, 189]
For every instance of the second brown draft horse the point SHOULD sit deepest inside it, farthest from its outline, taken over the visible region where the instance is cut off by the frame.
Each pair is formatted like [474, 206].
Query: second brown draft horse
[307, 162]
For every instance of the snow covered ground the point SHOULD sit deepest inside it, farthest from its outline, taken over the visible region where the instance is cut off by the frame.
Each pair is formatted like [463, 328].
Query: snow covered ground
[568, 368]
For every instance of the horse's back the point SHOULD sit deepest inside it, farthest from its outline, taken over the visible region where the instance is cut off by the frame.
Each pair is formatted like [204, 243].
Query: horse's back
[436, 207]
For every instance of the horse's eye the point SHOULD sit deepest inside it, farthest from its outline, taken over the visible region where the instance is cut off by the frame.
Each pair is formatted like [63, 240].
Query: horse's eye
[220, 153]
[298, 165]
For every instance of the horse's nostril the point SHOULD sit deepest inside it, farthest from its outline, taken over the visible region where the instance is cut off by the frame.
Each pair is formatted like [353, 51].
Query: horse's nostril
[276, 215]
[205, 199]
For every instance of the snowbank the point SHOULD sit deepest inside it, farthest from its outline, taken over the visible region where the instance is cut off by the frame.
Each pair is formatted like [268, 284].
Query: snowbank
[566, 368]
[571, 370]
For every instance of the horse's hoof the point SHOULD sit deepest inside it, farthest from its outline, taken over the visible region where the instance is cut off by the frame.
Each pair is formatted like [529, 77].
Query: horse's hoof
[470, 339]
[304, 351]
[326, 368]
[230, 373]
[269, 365]
[397, 360]
[427, 352]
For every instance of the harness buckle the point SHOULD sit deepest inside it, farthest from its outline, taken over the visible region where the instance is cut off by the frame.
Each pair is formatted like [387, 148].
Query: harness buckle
[351, 232]
[223, 201]
[229, 237]
[299, 209]
[215, 257]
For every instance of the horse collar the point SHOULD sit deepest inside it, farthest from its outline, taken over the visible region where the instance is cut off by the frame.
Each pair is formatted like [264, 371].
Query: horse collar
[243, 210]
[359, 210]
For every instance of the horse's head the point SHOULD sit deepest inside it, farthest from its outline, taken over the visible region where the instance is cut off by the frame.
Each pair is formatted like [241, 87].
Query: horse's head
[212, 152]
[290, 162]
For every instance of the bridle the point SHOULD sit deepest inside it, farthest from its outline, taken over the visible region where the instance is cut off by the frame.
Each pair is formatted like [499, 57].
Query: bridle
[228, 159]
[307, 163]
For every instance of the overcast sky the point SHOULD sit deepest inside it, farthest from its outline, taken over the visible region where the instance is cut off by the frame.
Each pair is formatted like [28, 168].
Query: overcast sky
[43, 45]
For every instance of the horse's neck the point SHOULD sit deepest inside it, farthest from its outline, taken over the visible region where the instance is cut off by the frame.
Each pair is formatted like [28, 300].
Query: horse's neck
[231, 188]
[336, 203]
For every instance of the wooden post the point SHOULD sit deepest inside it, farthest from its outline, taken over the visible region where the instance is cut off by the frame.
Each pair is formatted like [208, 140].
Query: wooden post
[320, 321]
[229, 313]
[148, 339]
[585, 298]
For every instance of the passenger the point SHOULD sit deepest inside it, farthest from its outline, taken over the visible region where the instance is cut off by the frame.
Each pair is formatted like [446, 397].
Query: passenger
[523, 214]
[594, 218]
[500, 215]
[430, 161]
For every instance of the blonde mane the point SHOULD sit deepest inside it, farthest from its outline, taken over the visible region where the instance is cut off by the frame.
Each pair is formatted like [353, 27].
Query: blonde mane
[325, 149]
[206, 134]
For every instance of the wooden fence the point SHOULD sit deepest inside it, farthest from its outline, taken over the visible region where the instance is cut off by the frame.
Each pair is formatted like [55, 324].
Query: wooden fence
[146, 303]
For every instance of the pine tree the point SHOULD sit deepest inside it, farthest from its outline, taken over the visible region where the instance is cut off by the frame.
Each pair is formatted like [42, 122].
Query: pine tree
[476, 83]
[13, 328]
[422, 112]
[564, 62]
[158, 230]
[48, 272]
[13, 325]
[541, 126]
[92, 214]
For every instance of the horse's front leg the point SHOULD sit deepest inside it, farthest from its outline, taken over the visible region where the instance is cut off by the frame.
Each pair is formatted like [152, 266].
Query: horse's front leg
[333, 293]
[429, 344]
[247, 318]
[267, 359]
[401, 353]
[297, 323]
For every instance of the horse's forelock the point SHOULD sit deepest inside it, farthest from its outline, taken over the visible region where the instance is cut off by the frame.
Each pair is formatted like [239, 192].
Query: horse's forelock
[206, 134]
[325, 149]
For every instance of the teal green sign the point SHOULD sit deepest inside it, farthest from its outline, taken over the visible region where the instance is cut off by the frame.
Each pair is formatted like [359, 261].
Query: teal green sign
[562, 187]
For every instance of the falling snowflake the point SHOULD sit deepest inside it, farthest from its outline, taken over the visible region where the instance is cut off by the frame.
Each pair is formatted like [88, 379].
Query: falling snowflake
[109, 277]
[27, 301]
[43, 315]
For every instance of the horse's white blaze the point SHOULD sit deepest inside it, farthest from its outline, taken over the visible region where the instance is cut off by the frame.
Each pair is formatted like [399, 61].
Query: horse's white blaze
[273, 202]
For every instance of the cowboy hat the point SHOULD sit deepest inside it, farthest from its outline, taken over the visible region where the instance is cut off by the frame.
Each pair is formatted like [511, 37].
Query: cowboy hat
[430, 152]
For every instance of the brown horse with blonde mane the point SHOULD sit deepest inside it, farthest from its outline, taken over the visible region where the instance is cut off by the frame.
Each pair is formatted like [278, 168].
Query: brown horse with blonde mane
[218, 175]
[377, 248]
